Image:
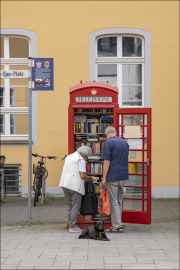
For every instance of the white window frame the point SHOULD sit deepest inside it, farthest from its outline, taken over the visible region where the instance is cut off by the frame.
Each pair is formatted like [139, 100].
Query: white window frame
[119, 60]
[32, 36]
[145, 60]
[8, 109]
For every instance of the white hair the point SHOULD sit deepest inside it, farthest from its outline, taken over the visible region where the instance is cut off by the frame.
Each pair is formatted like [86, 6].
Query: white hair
[110, 130]
[85, 150]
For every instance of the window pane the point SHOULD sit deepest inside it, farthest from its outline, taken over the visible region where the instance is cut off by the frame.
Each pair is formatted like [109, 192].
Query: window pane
[145, 144]
[145, 168]
[107, 73]
[132, 95]
[2, 48]
[1, 124]
[18, 81]
[145, 156]
[145, 132]
[107, 47]
[132, 154]
[134, 180]
[134, 168]
[145, 193]
[1, 96]
[145, 181]
[138, 154]
[145, 205]
[132, 205]
[132, 47]
[12, 174]
[134, 119]
[18, 48]
[132, 74]
[145, 119]
[18, 124]
[19, 97]
[132, 192]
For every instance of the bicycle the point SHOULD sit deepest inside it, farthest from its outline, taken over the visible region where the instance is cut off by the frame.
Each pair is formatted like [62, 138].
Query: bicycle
[40, 175]
[2, 179]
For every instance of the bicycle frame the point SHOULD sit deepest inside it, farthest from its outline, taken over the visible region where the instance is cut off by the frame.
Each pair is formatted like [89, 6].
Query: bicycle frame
[41, 174]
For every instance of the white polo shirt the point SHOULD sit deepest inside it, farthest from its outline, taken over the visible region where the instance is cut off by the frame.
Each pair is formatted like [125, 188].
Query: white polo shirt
[82, 165]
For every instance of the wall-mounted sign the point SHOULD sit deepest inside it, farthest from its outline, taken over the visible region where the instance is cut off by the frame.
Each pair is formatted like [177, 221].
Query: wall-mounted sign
[93, 99]
[135, 144]
[132, 132]
[14, 74]
[43, 74]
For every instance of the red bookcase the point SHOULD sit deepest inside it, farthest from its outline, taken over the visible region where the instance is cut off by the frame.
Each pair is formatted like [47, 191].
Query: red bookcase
[90, 99]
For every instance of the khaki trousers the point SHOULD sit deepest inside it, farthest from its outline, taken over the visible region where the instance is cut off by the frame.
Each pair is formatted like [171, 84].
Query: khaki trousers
[115, 193]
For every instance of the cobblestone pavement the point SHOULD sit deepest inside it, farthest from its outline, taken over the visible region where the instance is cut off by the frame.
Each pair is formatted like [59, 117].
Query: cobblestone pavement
[48, 245]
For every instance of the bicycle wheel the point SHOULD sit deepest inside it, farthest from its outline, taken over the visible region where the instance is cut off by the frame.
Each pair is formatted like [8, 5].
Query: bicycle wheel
[36, 195]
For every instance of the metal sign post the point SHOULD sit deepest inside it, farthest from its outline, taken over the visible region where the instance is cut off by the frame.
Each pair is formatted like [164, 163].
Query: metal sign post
[30, 142]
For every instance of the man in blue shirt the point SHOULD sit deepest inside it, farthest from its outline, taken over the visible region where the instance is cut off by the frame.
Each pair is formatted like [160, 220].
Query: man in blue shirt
[115, 173]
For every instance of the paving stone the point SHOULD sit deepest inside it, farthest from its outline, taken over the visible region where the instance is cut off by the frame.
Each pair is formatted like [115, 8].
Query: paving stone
[144, 260]
[113, 266]
[8, 267]
[89, 265]
[138, 266]
[74, 258]
[167, 265]
[12, 261]
[103, 254]
[120, 260]
[46, 263]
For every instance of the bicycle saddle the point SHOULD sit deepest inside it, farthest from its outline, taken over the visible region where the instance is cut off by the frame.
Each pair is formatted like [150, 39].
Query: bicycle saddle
[40, 162]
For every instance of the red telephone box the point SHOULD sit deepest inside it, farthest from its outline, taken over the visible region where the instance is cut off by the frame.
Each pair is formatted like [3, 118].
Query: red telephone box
[100, 98]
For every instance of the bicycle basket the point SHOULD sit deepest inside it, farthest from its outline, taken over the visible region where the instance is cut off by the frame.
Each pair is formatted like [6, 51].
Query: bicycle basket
[2, 160]
[38, 170]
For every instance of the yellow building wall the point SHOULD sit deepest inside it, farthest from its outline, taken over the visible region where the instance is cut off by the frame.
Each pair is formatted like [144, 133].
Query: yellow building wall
[63, 29]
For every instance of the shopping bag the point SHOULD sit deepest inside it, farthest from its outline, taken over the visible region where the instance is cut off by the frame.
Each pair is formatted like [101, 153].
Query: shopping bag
[89, 203]
[106, 206]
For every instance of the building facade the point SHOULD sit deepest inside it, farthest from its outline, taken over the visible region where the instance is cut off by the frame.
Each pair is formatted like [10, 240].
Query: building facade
[133, 45]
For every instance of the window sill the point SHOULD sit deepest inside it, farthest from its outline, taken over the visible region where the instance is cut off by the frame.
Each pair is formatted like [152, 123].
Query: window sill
[14, 139]
[7, 142]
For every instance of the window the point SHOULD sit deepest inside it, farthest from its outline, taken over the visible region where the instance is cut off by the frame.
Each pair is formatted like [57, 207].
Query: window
[117, 64]
[14, 92]
[122, 57]
[12, 174]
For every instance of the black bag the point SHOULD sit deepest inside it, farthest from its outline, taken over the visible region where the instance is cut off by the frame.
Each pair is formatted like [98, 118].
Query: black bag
[89, 203]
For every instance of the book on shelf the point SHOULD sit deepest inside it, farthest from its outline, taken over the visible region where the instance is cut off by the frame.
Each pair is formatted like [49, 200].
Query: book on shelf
[92, 139]
[79, 118]
[94, 168]
[96, 147]
[106, 117]
[94, 157]
[90, 135]
[88, 127]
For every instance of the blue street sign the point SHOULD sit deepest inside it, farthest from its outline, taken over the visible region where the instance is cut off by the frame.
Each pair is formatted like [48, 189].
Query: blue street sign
[43, 74]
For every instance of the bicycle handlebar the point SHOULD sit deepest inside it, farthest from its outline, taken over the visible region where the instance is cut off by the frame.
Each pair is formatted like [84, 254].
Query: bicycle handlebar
[50, 157]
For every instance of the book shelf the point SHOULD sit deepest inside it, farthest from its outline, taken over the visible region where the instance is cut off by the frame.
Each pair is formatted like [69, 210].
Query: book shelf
[89, 127]
[87, 123]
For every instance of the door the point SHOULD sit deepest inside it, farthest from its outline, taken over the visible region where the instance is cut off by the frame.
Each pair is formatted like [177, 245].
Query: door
[134, 125]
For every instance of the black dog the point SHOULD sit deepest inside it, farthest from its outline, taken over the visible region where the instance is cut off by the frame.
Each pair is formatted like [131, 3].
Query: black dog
[97, 232]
